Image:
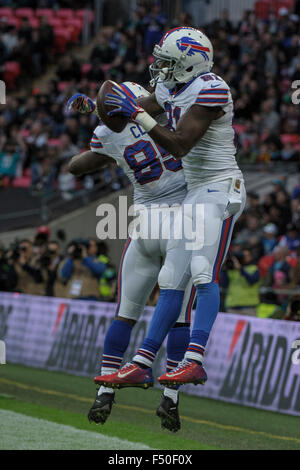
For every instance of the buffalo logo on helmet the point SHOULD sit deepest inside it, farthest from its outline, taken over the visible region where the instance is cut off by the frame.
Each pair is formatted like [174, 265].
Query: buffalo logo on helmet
[185, 42]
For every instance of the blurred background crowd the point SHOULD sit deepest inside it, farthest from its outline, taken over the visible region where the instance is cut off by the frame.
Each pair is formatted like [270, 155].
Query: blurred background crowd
[259, 56]
[43, 265]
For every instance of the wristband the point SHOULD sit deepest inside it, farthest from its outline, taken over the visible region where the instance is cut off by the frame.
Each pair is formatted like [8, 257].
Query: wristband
[145, 120]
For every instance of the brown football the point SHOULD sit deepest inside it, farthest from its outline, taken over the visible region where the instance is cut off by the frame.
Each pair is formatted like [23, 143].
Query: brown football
[115, 123]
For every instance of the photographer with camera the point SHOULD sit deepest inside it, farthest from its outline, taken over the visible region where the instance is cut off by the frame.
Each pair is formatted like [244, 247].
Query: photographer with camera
[8, 275]
[27, 267]
[81, 271]
[49, 262]
[241, 279]
[293, 309]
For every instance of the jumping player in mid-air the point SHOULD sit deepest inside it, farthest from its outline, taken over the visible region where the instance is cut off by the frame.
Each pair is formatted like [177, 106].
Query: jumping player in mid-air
[200, 134]
[157, 178]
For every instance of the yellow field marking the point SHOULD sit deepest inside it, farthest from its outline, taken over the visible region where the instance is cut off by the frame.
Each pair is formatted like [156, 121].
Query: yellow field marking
[145, 411]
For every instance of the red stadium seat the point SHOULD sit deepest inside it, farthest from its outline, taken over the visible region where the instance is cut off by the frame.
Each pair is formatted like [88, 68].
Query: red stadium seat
[105, 67]
[48, 12]
[22, 182]
[63, 85]
[239, 128]
[85, 68]
[54, 143]
[21, 12]
[11, 72]
[34, 22]
[75, 28]
[290, 138]
[6, 11]
[13, 21]
[55, 22]
[262, 9]
[61, 39]
[65, 13]
[289, 5]
[82, 13]
[94, 85]
[25, 132]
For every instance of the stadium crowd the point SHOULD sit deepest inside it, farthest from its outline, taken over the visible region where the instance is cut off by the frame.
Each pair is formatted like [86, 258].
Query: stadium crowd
[42, 265]
[260, 60]
[262, 266]
[258, 57]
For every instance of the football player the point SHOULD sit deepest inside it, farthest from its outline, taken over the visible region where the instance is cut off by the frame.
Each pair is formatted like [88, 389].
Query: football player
[200, 134]
[157, 178]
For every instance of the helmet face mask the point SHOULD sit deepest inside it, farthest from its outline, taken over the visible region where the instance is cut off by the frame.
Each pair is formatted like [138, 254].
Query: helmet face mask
[183, 54]
[162, 69]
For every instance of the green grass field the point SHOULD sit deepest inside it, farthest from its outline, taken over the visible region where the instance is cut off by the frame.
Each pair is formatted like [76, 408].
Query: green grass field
[37, 406]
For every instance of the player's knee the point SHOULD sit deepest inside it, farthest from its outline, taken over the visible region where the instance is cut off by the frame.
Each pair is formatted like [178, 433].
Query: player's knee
[165, 278]
[131, 321]
[201, 270]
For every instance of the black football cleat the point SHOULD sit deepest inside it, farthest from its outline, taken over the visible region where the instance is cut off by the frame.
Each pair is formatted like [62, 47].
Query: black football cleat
[167, 411]
[101, 408]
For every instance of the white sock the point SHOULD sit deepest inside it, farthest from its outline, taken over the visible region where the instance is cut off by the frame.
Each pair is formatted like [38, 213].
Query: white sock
[106, 371]
[103, 389]
[171, 393]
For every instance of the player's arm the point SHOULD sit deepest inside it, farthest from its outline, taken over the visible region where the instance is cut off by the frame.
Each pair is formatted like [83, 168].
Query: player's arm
[150, 104]
[190, 128]
[87, 162]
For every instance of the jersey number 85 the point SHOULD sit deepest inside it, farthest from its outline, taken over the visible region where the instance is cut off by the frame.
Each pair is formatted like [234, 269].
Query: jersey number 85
[147, 161]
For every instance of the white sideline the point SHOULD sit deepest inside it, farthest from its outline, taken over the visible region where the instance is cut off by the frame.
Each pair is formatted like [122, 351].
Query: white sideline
[22, 432]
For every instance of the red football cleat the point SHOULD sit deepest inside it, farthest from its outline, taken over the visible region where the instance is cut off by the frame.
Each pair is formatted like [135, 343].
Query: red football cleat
[187, 372]
[130, 375]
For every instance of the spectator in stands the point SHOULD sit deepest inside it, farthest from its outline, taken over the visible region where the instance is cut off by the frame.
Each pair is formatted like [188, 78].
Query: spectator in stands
[279, 264]
[241, 281]
[292, 238]
[66, 183]
[41, 238]
[252, 229]
[28, 269]
[42, 172]
[10, 41]
[25, 30]
[269, 238]
[295, 270]
[50, 261]
[293, 309]
[81, 271]
[67, 148]
[46, 35]
[269, 306]
[154, 22]
[8, 275]
[108, 281]
[69, 69]
[9, 159]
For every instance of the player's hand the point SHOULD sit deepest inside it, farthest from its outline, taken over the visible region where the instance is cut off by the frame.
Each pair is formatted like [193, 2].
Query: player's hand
[81, 103]
[123, 103]
[236, 262]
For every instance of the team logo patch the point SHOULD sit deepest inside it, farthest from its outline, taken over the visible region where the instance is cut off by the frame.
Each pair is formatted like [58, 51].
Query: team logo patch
[185, 42]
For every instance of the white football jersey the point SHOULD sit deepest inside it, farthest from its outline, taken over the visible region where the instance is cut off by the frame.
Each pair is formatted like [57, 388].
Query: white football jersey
[156, 176]
[213, 157]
